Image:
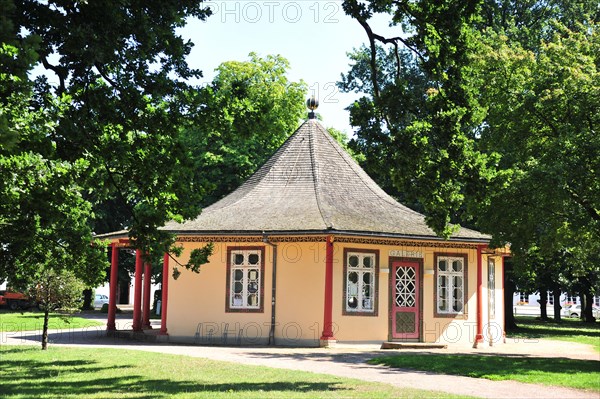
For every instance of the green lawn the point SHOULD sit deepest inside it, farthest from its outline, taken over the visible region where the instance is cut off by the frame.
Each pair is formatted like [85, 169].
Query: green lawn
[60, 372]
[580, 374]
[570, 330]
[31, 321]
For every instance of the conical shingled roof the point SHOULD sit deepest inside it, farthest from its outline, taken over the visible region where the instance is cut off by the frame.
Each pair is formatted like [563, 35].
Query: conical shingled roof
[312, 185]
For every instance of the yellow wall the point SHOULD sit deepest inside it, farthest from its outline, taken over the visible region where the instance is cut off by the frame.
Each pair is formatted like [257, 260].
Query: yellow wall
[197, 301]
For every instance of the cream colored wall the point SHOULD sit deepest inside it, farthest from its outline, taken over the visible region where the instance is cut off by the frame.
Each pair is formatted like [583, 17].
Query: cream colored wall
[358, 327]
[300, 293]
[198, 300]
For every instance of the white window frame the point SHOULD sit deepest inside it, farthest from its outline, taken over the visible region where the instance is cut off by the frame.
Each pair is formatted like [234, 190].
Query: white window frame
[246, 268]
[492, 287]
[449, 274]
[358, 289]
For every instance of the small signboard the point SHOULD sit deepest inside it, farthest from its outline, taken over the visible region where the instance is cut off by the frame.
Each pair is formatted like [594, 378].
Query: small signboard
[400, 253]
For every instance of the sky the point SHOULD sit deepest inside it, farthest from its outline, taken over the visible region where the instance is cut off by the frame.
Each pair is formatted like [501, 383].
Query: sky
[313, 35]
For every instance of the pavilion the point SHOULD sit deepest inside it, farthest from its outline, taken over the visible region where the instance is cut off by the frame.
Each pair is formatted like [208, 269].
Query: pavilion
[310, 250]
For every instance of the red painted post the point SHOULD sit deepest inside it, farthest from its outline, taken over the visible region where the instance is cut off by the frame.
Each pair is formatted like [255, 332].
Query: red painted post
[328, 300]
[146, 307]
[479, 336]
[165, 295]
[112, 299]
[137, 294]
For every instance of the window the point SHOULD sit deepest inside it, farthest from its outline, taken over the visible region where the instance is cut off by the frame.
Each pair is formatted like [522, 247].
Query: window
[597, 300]
[492, 287]
[245, 279]
[361, 272]
[450, 274]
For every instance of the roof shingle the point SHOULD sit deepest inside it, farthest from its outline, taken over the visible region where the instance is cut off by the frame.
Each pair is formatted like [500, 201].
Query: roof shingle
[312, 184]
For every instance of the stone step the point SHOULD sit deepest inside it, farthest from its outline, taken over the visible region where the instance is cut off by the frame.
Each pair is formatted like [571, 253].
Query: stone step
[412, 345]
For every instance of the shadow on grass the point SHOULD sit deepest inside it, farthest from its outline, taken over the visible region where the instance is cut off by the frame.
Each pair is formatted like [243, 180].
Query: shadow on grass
[81, 378]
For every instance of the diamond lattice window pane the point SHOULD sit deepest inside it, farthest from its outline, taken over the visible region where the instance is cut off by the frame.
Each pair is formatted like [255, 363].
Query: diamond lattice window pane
[405, 322]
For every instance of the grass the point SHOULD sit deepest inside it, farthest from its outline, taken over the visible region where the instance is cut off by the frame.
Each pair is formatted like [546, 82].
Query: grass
[113, 373]
[570, 330]
[32, 321]
[580, 374]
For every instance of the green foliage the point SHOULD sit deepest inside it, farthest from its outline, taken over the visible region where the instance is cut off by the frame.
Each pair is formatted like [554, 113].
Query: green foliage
[57, 290]
[198, 257]
[543, 114]
[249, 110]
[97, 136]
[423, 112]
[492, 122]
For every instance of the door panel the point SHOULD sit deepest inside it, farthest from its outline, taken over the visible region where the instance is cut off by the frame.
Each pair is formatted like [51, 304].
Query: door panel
[406, 317]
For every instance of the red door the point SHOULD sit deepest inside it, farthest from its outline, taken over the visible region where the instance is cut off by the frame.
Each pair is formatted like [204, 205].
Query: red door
[406, 315]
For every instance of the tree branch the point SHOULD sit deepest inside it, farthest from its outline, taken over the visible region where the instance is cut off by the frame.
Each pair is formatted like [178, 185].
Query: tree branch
[59, 71]
[106, 77]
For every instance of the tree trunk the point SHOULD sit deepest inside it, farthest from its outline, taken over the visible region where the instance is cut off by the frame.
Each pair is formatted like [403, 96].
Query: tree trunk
[509, 291]
[45, 329]
[543, 304]
[587, 312]
[582, 302]
[557, 308]
[88, 299]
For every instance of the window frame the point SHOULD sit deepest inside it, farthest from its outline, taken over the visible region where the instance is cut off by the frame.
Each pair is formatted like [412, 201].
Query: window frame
[260, 308]
[465, 273]
[375, 311]
[491, 287]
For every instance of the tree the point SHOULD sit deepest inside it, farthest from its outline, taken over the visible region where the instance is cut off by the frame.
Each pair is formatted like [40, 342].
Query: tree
[543, 114]
[434, 138]
[55, 290]
[506, 136]
[103, 123]
[250, 108]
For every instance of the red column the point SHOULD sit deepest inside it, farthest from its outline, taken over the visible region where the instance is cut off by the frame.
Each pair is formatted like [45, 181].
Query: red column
[165, 295]
[114, 278]
[479, 336]
[146, 307]
[137, 294]
[328, 301]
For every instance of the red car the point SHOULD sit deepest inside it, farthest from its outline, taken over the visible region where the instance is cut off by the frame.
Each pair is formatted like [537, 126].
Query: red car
[15, 300]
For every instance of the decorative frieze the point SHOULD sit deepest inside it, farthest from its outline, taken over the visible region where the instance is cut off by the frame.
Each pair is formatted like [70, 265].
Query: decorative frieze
[404, 243]
[338, 239]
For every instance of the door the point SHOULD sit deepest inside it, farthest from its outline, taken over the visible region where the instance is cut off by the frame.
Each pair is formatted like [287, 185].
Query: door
[406, 300]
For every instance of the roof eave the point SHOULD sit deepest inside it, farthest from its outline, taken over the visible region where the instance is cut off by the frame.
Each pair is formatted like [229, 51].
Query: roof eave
[329, 231]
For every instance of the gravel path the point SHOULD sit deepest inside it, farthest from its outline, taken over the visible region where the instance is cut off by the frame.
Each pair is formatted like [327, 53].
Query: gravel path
[349, 361]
